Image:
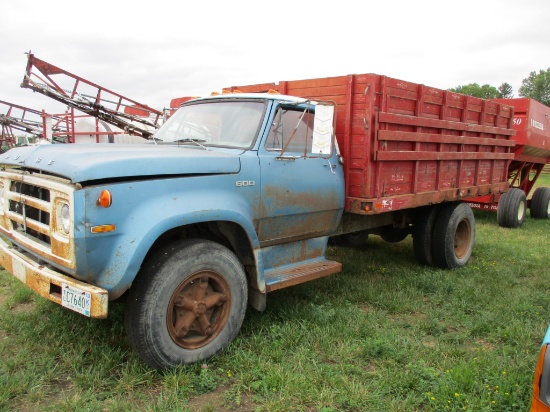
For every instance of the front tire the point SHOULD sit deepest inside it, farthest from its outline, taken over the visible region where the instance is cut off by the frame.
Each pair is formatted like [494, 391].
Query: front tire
[186, 305]
[453, 235]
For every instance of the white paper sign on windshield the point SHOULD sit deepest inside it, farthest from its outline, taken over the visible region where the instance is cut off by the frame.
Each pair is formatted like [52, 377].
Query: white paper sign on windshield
[322, 129]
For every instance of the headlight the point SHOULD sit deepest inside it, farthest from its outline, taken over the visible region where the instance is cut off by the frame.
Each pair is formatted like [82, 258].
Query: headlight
[65, 218]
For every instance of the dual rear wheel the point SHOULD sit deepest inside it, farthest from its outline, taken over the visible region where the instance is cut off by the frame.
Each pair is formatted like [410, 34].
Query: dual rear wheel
[444, 235]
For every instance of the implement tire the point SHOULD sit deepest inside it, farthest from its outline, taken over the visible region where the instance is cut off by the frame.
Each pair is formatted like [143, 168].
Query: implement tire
[453, 235]
[187, 304]
[540, 203]
[512, 208]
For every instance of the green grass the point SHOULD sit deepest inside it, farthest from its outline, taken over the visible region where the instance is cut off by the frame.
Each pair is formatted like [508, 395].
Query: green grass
[386, 334]
[543, 180]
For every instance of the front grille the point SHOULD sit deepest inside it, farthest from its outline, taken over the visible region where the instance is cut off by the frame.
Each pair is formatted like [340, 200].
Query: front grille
[29, 213]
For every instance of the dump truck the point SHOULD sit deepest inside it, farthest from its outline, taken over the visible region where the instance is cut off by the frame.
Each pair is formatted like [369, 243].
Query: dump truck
[237, 194]
[531, 155]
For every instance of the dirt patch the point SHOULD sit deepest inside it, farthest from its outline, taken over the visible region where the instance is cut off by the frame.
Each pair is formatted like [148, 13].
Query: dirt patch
[481, 345]
[25, 307]
[60, 388]
[216, 401]
[429, 343]
[366, 308]
[413, 318]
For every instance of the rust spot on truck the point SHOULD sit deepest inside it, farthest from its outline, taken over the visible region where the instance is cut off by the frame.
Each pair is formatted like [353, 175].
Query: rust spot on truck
[47, 282]
[293, 214]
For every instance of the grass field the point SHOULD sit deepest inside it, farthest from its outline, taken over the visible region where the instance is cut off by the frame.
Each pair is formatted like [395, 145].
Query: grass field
[386, 334]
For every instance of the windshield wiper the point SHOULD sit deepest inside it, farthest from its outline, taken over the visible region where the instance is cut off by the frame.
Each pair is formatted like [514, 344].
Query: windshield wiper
[196, 141]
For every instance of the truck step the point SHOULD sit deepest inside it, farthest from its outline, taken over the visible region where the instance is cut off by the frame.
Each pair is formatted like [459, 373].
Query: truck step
[293, 275]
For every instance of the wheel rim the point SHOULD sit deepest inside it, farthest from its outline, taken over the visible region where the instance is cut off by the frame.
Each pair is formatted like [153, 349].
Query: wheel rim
[198, 309]
[463, 238]
[521, 211]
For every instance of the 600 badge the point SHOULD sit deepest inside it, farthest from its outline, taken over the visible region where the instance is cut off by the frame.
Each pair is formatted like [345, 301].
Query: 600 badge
[244, 183]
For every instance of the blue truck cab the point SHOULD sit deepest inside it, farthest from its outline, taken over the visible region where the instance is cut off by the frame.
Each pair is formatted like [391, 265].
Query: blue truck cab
[235, 196]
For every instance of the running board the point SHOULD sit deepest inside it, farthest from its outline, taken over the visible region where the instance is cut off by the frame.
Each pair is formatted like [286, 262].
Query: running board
[293, 275]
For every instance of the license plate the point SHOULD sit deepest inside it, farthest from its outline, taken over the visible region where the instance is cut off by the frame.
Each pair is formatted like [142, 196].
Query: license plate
[76, 299]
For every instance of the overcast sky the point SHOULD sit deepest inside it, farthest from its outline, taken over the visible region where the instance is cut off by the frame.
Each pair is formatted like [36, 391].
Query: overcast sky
[154, 51]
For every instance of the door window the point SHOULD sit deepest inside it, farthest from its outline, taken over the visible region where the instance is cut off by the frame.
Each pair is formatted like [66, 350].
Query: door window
[291, 132]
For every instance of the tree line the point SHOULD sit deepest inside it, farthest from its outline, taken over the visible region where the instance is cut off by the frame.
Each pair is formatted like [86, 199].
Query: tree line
[536, 86]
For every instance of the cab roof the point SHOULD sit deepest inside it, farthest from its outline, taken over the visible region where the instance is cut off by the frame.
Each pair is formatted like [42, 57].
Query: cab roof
[268, 96]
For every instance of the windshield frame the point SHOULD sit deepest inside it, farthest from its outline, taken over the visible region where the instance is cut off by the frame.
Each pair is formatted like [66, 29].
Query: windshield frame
[247, 112]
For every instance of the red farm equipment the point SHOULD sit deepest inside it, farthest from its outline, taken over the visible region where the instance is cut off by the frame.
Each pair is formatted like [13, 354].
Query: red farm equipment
[28, 122]
[108, 116]
[531, 155]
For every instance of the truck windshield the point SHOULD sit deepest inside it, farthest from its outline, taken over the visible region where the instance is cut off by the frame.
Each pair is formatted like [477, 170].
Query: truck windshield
[228, 123]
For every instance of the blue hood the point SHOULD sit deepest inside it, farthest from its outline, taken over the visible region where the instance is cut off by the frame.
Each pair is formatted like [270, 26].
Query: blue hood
[83, 162]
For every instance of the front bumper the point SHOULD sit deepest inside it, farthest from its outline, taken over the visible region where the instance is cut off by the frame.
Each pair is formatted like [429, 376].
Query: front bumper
[47, 282]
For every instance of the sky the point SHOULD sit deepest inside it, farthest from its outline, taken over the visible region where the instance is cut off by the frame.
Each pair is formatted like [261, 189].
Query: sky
[152, 52]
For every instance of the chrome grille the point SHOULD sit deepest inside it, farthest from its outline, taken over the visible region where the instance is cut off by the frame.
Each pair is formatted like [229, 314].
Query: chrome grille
[28, 214]
[29, 210]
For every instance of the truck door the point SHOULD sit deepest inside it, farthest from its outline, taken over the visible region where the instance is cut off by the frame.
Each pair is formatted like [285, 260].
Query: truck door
[302, 192]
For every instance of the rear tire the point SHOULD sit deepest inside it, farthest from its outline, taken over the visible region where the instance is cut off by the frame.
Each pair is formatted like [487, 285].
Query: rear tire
[512, 208]
[423, 234]
[540, 203]
[453, 236]
[187, 304]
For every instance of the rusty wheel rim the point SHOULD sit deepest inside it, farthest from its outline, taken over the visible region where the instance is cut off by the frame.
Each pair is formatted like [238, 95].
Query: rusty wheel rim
[198, 309]
[463, 238]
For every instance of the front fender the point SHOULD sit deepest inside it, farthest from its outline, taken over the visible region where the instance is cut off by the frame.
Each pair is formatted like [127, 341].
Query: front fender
[143, 213]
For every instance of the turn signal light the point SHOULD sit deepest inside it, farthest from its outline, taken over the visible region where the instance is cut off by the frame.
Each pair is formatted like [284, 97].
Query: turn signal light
[105, 199]
[103, 229]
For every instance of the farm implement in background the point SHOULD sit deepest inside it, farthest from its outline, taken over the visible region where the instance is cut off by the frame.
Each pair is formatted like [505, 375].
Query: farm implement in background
[531, 155]
[109, 113]
[29, 123]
